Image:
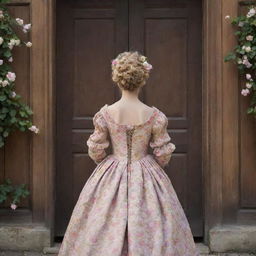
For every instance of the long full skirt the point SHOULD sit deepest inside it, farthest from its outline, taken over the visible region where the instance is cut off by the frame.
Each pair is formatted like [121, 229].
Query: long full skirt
[128, 211]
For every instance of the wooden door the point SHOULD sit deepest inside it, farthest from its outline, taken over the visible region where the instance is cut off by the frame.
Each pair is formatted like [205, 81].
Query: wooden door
[89, 35]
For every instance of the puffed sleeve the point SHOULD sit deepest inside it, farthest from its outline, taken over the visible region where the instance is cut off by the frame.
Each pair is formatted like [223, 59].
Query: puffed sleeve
[160, 140]
[97, 141]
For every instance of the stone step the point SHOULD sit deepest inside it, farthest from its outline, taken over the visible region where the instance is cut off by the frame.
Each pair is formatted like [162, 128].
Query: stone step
[53, 251]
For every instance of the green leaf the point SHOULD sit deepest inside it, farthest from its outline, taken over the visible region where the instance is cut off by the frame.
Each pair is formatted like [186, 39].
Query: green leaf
[250, 110]
[5, 110]
[230, 56]
[2, 97]
[13, 112]
[7, 54]
[2, 116]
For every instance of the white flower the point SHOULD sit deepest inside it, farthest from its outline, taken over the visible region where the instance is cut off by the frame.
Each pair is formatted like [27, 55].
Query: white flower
[13, 206]
[12, 41]
[1, 62]
[173, 147]
[248, 85]
[10, 45]
[1, 14]
[20, 21]
[10, 59]
[245, 92]
[227, 17]
[251, 13]
[13, 94]
[239, 61]
[1, 40]
[248, 49]
[143, 58]
[17, 42]
[247, 63]
[248, 76]
[11, 76]
[34, 129]
[5, 83]
[27, 26]
[241, 24]
[28, 44]
[249, 38]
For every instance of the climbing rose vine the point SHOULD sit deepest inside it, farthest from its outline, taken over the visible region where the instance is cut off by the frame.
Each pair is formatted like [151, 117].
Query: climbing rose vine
[12, 192]
[244, 54]
[14, 114]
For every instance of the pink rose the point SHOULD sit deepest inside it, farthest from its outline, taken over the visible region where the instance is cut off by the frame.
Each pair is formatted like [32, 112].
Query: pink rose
[11, 76]
[245, 92]
[13, 206]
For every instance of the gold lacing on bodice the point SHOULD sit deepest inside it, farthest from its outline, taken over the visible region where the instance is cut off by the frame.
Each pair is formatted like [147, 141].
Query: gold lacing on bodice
[129, 133]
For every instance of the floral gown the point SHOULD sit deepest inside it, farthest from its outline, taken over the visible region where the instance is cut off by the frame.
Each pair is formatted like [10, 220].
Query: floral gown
[128, 206]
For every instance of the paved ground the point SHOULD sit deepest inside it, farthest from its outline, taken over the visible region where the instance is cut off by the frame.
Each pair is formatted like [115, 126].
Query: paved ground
[53, 251]
[9, 253]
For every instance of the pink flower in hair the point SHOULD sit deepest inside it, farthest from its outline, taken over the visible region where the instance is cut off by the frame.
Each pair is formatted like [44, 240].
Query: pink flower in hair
[147, 65]
[114, 62]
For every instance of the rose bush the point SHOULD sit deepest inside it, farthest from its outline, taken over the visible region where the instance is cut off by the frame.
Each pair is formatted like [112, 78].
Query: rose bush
[244, 53]
[14, 114]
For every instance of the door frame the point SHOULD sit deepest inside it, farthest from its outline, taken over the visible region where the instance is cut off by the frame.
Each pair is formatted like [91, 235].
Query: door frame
[215, 74]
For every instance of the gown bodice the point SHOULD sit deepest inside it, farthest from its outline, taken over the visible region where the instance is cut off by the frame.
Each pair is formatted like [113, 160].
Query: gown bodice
[130, 142]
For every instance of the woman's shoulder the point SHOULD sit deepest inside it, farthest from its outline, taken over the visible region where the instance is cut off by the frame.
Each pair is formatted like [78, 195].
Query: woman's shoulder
[160, 117]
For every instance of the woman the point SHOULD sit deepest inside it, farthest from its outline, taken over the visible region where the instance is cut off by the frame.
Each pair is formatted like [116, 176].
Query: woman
[128, 205]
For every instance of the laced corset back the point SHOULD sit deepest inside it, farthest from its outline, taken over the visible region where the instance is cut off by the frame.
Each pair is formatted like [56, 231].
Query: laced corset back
[129, 141]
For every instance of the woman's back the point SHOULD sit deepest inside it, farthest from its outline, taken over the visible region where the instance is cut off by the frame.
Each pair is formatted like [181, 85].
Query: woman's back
[130, 112]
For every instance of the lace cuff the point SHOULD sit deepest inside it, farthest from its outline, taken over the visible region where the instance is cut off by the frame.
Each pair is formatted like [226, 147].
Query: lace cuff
[160, 142]
[98, 142]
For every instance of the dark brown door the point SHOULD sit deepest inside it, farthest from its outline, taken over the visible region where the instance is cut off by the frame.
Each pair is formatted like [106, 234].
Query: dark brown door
[89, 35]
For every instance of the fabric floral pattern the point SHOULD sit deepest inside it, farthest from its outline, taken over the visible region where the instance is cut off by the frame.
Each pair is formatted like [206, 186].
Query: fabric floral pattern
[129, 208]
[161, 144]
[97, 142]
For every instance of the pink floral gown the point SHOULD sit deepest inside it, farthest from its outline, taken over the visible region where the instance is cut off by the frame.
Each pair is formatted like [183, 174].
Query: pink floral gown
[128, 206]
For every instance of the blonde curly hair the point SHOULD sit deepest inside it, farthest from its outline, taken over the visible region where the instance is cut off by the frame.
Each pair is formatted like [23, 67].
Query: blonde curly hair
[130, 70]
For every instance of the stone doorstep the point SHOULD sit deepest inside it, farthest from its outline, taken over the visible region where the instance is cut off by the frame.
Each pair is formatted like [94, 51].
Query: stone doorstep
[228, 239]
[202, 248]
[24, 237]
[233, 238]
[53, 251]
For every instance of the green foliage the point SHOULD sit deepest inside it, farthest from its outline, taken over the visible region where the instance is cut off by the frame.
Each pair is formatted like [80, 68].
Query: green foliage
[15, 193]
[244, 53]
[14, 114]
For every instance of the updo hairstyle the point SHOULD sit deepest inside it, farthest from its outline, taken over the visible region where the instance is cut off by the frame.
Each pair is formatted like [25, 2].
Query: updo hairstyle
[130, 70]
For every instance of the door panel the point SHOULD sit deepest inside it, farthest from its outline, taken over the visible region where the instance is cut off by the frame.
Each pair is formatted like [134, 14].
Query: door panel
[169, 33]
[89, 35]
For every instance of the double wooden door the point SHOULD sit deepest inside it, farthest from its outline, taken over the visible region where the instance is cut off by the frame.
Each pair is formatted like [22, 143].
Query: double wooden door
[89, 34]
